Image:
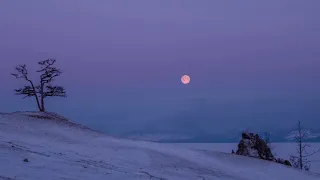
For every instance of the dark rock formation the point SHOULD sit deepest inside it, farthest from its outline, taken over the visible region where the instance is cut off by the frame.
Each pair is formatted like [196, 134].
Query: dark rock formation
[253, 146]
[283, 161]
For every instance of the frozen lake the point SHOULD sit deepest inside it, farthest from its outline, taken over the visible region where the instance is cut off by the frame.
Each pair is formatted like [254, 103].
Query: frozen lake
[281, 150]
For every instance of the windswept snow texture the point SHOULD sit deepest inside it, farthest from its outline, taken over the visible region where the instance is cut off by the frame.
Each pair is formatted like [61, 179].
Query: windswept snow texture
[59, 149]
[280, 150]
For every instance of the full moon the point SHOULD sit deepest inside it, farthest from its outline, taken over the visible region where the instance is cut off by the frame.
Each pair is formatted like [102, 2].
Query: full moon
[185, 79]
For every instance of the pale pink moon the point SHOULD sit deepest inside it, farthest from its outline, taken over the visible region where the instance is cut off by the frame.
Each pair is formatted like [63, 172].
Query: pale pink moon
[185, 79]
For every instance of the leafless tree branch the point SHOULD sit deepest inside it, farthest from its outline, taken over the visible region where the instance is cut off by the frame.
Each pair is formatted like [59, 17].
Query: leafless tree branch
[55, 91]
[300, 161]
[45, 88]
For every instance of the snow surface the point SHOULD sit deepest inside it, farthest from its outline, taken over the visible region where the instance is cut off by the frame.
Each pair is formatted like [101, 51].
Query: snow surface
[59, 149]
[280, 150]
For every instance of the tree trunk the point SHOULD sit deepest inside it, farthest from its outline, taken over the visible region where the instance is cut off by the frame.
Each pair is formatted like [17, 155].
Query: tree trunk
[300, 146]
[37, 98]
[300, 155]
[42, 98]
[42, 104]
[38, 104]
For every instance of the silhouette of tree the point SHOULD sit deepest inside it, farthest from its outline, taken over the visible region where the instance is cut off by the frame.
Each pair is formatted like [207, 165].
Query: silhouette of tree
[301, 159]
[45, 88]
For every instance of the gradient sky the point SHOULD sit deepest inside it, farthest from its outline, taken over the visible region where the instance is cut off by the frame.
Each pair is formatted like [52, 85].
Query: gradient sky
[252, 63]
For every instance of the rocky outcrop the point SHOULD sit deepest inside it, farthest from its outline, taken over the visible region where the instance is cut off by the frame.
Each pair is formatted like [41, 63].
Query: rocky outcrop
[283, 161]
[253, 146]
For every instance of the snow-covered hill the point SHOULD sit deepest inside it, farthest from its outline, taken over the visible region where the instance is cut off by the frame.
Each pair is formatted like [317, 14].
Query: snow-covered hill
[46, 146]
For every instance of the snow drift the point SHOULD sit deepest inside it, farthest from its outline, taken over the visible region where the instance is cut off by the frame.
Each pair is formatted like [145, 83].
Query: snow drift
[46, 146]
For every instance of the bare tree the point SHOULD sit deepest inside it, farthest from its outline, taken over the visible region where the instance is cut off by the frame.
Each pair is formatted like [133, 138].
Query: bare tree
[45, 88]
[301, 159]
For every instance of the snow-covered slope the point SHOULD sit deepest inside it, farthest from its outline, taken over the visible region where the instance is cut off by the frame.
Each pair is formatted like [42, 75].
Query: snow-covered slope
[59, 149]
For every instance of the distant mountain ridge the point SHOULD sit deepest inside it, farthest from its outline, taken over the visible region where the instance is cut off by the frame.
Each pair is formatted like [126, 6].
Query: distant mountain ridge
[228, 137]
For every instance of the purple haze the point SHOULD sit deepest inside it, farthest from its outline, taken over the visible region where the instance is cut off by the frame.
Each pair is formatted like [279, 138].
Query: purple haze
[251, 63]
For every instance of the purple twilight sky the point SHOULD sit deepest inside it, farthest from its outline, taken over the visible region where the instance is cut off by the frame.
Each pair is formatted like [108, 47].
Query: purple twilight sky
[251, 63]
